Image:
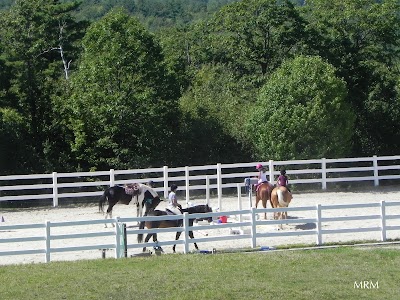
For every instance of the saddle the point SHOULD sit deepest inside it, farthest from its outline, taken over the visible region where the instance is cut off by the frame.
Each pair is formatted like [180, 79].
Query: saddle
[131, 189]
[178, 223]
[172, 212]
[265, 183]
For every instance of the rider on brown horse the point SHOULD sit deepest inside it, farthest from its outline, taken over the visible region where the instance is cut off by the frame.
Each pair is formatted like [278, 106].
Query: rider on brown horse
[263, 188]
[262, 176]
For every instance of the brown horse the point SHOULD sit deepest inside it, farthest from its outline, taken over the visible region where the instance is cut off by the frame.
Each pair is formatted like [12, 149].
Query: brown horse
[172, 223]
[264, 194]
[280, 197]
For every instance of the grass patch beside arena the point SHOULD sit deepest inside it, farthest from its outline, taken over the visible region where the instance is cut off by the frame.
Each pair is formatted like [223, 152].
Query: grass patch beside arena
[339, 273]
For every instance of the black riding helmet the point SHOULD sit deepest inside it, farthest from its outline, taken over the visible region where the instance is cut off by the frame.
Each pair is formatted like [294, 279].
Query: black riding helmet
[283, 172]
[174, 187]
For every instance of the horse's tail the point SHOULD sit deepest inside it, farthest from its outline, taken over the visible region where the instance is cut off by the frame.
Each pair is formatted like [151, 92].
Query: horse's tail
[103, 199]
[272, 199]
[281, 198]
[140, 235]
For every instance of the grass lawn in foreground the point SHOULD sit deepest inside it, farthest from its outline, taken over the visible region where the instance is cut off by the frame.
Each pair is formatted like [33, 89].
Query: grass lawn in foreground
[339, 273]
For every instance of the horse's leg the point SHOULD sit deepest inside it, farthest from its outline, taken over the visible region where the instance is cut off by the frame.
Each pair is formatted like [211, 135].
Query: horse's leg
[281, 216]
[105, 225]
[109, 214]
[138, 212]
[258, 198]
[148, 236]
[192, 237]
[264, 203]
[178, 234]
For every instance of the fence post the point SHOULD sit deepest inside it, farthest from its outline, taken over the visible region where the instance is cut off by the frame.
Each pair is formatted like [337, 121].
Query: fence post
[187, 185]
[55, 190]
[219, 185]
[207, 190]
[186, 232]
[323, 174]
[47, 246]
[239, 195]
[376, 172]
[319, 225]
[125, 240]
[253, 228]
[112, 177]
[383, 221]
[165, 171]
[271, 171]
[117, 238]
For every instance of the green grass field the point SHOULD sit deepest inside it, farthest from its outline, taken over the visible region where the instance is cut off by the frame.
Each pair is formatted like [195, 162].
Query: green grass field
[301, 274]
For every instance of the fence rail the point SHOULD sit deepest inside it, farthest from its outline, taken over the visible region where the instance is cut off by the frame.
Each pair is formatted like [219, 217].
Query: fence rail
[385, 211]
[208, 178]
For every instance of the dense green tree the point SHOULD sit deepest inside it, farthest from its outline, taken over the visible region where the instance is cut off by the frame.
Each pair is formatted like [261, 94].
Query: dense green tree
[5, 4]
[301, 113]
[38, 37]
[203, 140]
[120, 108]
[13, 133]
[222, 95]
[175, 43]
[153, 14]
[219, 98]
[5, 78]
[362, 40]
[257, 35]
[123, 102]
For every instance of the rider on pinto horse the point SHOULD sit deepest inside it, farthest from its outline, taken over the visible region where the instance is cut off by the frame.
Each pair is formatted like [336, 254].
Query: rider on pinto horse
[283, 181]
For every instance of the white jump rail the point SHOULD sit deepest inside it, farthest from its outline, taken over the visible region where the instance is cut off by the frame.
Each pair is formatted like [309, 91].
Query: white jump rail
[382, 215]
[216, 178]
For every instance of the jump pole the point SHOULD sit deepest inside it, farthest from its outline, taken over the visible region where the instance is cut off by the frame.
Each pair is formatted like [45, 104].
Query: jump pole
[239, 195]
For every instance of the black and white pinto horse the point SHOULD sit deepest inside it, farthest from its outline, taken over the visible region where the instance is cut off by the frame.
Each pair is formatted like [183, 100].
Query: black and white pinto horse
[141, 195]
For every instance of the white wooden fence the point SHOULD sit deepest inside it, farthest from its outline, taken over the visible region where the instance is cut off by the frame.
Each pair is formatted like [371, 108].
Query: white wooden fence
[204, 179]
[384, 214]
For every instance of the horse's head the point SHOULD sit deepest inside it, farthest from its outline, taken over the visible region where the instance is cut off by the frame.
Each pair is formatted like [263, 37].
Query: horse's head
[208, 210]
[200, 209]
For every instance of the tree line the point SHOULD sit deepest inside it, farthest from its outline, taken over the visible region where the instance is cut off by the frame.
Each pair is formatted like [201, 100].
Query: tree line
[251, 80]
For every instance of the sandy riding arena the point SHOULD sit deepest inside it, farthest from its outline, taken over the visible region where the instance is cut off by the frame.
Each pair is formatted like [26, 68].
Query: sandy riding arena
[228, 203]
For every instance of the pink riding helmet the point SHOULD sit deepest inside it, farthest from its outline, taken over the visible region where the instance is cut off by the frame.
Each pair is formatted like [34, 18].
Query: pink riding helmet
[259, 166]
